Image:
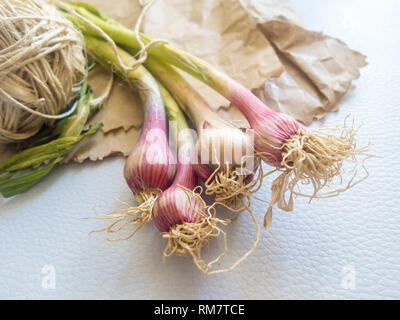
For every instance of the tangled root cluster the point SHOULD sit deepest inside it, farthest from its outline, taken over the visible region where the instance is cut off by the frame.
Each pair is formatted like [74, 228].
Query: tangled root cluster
[232, 187]
[316, 158]
[189, 238]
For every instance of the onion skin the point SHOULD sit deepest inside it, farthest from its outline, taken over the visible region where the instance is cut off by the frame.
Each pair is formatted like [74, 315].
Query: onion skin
[151, 165]
[174, 206]
[203, 172]
[271, 128]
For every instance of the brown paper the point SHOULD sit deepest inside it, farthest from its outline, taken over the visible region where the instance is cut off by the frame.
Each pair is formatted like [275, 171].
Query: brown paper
[123, 106]
[322, 67]
[102, 145]
[319, 69]
[292, 93]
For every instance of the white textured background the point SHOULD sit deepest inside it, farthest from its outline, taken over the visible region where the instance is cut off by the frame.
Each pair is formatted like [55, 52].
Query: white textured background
[305, 254]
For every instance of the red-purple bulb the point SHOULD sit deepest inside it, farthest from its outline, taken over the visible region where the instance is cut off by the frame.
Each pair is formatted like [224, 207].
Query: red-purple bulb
[271, 128]
[151, 164]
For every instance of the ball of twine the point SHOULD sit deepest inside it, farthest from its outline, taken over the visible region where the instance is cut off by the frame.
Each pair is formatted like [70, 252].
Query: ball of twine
[41, 64]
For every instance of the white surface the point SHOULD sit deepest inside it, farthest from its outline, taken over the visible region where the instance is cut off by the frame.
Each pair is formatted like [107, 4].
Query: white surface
[303, 256]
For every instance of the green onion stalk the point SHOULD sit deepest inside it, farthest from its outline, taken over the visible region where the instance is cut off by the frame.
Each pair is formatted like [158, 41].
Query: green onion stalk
[150, 167]
[314, 158]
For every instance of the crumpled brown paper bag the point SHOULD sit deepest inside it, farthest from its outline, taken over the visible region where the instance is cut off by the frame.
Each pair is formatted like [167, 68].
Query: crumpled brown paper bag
[260, 43]
[324, 76]
[319, 69]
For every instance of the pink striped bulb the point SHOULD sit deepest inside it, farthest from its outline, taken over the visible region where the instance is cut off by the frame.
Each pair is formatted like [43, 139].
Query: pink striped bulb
[174, 206]
[271, 128]
[151, 165]
[203, 171]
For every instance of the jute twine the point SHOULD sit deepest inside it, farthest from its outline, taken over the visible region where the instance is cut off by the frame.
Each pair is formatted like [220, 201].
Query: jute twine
[41, 64]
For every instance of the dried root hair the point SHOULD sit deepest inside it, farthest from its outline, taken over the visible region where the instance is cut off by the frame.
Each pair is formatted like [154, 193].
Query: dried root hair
[315, 158]
[137, 216]
[233, 188]
[190, 238]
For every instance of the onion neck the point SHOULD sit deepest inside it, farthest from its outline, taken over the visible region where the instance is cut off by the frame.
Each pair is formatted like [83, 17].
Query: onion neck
[185, 175]
[139, 78]
[155, 117]
[247, 103]
[237, 94]
[194, 105]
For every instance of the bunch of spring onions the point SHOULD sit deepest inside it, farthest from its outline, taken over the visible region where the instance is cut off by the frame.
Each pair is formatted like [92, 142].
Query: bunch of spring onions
[300, 157]
[173, 200]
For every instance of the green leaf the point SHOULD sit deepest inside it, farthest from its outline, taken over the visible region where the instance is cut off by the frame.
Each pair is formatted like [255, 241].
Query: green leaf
[12, 187]
[88, 7]
[37, 155]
